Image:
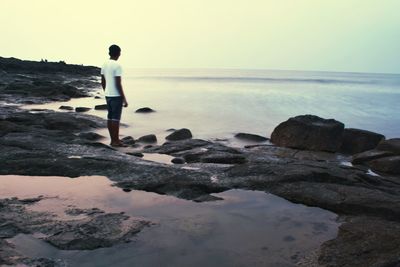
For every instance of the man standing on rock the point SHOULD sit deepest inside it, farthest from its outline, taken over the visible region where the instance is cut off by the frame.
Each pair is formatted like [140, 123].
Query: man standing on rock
[111, 73]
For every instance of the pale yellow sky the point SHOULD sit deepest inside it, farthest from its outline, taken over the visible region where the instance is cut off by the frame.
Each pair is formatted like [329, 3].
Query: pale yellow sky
[338, 35]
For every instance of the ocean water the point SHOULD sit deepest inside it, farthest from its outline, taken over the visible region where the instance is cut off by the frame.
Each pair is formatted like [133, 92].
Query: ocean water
[220, 103]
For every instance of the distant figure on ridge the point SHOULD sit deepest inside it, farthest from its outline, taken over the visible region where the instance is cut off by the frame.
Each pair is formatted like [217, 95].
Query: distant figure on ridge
[111, 73]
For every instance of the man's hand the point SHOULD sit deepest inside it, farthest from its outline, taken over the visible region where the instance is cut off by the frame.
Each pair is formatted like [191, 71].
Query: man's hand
[125, 103]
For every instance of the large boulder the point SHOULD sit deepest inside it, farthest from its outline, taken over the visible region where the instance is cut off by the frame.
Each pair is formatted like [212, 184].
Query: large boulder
[150, 138]
[180, 134]
[309, 132]
[392, 145]
[357, 141]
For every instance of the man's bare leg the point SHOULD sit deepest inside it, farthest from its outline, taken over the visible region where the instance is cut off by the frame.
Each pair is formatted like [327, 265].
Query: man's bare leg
[114, 133]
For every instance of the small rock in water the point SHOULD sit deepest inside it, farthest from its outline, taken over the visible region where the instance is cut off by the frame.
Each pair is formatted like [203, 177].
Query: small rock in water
[126, 190]
[101, 107]
[145, 110]
[128, 140]
[66, 108]
[251, 137]
[97, 97]
[82, 109]
[150, 138]
[180, 134]
[136, 154]
[178, 161]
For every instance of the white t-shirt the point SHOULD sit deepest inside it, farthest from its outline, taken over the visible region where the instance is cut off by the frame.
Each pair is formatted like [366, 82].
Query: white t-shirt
[110, 70]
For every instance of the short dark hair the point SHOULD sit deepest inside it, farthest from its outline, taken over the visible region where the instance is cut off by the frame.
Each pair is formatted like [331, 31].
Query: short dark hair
[114, 50]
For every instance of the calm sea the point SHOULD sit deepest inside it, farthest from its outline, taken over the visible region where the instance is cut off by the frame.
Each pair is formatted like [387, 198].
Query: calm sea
[219, 103]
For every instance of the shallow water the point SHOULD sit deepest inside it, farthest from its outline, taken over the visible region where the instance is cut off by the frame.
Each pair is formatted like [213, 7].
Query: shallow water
[247, 228]
[219, 103]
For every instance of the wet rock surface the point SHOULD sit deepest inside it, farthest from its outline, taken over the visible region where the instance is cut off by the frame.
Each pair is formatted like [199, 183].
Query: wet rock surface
[367, 233]
[384, 158]
[53, 144]
[96, 229]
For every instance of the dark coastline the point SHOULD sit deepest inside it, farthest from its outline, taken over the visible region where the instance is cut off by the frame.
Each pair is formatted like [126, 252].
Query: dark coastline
[42, 143]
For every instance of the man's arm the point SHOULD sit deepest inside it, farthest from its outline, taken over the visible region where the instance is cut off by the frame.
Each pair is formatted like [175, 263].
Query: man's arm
[103, 82]
[120, 89]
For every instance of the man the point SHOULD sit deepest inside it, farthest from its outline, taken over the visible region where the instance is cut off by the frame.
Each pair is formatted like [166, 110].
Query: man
[111, 82]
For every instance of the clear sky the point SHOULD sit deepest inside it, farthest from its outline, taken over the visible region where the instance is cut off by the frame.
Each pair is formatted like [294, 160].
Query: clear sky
[336, 35]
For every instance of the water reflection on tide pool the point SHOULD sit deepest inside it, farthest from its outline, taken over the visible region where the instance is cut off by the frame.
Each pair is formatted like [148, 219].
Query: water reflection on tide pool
[247, 228]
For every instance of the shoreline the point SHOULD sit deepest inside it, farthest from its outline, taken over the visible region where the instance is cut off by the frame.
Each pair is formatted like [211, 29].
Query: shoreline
[52, 144]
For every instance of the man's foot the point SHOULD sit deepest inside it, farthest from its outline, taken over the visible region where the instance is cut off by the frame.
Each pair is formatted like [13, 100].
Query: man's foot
[118, 144]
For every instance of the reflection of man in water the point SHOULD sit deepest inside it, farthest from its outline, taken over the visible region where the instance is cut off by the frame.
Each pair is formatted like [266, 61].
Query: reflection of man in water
[111, 82]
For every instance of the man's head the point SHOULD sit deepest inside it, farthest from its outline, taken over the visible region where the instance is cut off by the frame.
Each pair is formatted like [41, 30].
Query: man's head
[114, 51]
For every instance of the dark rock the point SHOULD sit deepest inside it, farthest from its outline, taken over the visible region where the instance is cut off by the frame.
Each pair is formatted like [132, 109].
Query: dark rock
[101, 107]
[223, 159]
[14, 65]
[82, 109]
[97, 97]
[363, 241]
[357, 141]
[176, 146]
[91, 136]
[370, 155]
[178, 160]
[207, 198]
[387, 165]
[127, 190]
[78, 211]
[136, 154]
[180, 134]
[150, 138]
[128, 140]
[309, 132]
[392, 145]
[66, 108]
[50, 90]
[145, 110]
[101, 230]
[251, 137]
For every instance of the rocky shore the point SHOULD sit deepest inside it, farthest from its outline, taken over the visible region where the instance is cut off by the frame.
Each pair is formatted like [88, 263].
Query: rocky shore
[308, 161]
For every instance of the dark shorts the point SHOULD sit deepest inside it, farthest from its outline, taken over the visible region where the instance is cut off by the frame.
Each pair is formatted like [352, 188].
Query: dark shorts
[114, 106]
